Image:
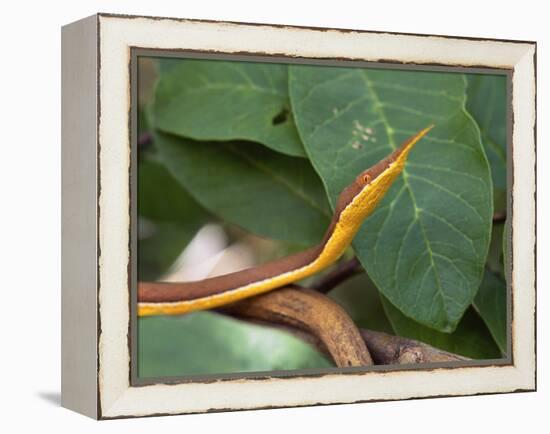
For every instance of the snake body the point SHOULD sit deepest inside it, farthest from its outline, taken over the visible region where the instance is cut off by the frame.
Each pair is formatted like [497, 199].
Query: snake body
[354, 204]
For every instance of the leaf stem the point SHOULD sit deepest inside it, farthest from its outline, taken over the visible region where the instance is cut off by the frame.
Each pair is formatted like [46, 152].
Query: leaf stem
[343, 271]
[499, 217]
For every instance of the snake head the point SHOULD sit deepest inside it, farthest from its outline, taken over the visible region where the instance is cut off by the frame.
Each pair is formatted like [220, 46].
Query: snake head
[396, 160]
[372, 184]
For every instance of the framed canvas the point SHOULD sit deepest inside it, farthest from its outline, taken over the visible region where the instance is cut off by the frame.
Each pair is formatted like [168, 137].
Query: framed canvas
[261, 216]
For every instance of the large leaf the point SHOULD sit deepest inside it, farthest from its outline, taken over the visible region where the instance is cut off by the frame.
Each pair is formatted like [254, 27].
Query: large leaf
[161, 198]
[426, 245]
[470, 338]
[216, 100]
[487, 104]
[264, 192]
[490, 302]
[204, 343]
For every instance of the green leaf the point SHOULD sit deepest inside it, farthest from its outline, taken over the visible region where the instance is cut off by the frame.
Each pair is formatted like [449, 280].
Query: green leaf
[425, 245]
[490, 302]
[264, 192]
[161, 197]
[215, 100]
[204, 343]
[172, 216]
[471, 337]
[487, 102]
[360, 298]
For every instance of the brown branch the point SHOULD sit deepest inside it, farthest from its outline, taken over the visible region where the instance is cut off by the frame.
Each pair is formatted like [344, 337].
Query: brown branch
[342, 272]
[311, 313]
[320, 321]
[388, 349]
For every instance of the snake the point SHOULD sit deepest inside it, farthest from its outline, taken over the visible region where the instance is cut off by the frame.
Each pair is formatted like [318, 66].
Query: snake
[354, 204]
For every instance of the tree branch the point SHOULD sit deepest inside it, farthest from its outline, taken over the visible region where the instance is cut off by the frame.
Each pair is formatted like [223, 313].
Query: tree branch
[312, 313]
[318, 320]
[388, 349]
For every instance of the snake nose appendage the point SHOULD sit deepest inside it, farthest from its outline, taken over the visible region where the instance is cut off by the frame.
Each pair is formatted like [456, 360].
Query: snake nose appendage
[399, 155]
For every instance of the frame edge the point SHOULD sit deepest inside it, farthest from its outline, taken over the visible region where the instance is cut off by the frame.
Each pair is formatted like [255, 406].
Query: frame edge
[79, 323]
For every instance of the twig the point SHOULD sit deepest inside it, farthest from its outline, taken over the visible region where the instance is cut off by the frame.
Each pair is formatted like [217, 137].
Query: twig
[499, 217]
[388, 349]
[342, 272]
[144, 139]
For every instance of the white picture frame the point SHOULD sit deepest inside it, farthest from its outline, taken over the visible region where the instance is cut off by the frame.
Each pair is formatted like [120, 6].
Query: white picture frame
[97, 196]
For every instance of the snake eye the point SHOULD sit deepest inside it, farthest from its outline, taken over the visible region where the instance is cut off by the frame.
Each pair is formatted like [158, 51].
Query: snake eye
[366, 178]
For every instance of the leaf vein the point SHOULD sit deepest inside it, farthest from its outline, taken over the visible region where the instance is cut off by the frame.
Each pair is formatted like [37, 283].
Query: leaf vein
[283, 181]
[449, 192]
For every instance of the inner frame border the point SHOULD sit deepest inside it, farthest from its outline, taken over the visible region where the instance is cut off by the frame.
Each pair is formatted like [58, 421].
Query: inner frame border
[142, 52]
